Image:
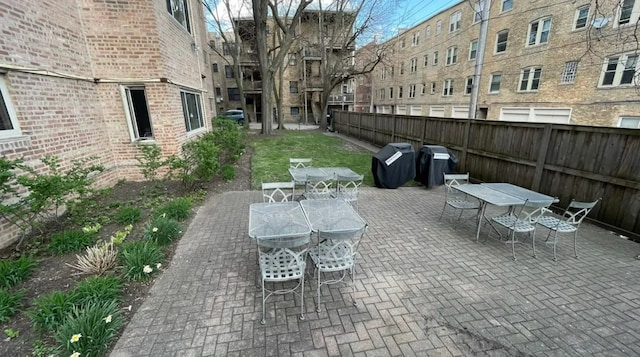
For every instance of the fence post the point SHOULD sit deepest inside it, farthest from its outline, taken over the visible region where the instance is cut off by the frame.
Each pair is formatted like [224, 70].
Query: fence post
[465, 147]
[542, 156]
[424, 130]
[393, 128]
[359, 126]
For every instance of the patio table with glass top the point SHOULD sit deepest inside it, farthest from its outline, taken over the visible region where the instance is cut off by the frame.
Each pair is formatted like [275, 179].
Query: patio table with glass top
[300, 174]
[332, 216]
[280, 219]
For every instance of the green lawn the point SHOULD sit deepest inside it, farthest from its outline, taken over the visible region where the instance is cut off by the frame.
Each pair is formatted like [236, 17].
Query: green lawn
[270, 160]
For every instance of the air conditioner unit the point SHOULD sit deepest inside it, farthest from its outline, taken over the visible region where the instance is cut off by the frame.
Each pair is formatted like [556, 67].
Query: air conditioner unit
[219, 99]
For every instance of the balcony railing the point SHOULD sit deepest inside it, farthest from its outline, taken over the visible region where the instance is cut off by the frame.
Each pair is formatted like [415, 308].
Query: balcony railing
[341, 98]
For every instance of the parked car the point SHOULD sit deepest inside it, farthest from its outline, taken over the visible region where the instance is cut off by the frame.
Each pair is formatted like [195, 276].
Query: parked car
[234, 114]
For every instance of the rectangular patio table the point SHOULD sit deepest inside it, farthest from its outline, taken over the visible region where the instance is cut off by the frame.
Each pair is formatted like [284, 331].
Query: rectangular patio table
[279, 219]
[501, 195]
[299, 175]
[332, 216]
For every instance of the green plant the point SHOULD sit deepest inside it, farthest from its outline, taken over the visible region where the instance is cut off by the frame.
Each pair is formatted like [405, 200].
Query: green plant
[70, 241]
[96, 289]
[140, 259]
[162, 230]
[228, 172]
[89, 330]
[41, 349]
[10, 303]
[97, 259]
[128, 215]
[178, 209]
[150, 161]
[15, 271]
[92, 229]
[230, 138]
[51, 310]
[199, 161]
[118, 237]
[11, 333]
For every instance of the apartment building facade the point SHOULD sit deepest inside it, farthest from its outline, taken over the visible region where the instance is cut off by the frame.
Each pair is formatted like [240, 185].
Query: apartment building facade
[95, 80]
[543, 61]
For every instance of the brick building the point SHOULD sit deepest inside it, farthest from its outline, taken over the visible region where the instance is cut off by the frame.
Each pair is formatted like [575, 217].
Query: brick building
[99, 78]
[545, 61]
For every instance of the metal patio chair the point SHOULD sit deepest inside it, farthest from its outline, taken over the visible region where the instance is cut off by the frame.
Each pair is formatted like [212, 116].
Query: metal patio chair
[524, 221]
[348, 187]
[569, 222]
[296, 163]
[456, 199]
[278, 191]
[318, 187]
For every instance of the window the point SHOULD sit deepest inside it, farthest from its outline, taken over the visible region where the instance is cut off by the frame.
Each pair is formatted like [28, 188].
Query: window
[473, 50]
[228, 72]
[424, 88]
[427, 32]
[414, 65]
[390, 92]
[426, 60]
[628, 12]
[228, 48]
[468, 85]
[494, 86]
[438, 27]
[402, 44]
[345, 89]
[392, 69]
[293, 86]
[454, 21]
[416, 39]
[8, 122]
[402, 68]
[179, 10]
[582, 15]
[137, 112]
[218, 92]
[233, 94]
[215, 67]
[293, 59]
[501, 41]
[530, 79]
[435, 58]
[295, 110]
[400, 92]
[447, 87]
[539, 32]
[382, 93]
[619, 70]
[629, 122]
[412, 91]
[477, 11]
[192, 111]
[569, 72]
[452, 55]
[506, 5]
[383, 73]
[433, 88]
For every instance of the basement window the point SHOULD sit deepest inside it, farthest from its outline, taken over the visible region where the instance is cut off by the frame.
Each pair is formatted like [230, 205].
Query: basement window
[137, 112]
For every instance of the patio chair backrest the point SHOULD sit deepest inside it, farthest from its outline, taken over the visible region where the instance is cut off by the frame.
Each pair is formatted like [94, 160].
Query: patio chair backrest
[319, 184]
[278, 191]
[455, 179]
[576, 212]
[296, 163]
[530, 212]
[347, 187]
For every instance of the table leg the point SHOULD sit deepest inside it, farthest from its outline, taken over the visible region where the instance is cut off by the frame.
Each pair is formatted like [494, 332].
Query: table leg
[481, 216]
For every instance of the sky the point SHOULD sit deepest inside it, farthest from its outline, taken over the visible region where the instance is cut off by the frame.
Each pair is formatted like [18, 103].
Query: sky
[412, 12]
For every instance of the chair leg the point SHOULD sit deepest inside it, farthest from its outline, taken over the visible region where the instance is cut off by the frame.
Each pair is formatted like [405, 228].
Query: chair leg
[353, 285]
[318, 300]
[302, 298]
[575, 243]
[264, 321]
[533, 243]
[555, 241]
[513, 244]
[442, 214]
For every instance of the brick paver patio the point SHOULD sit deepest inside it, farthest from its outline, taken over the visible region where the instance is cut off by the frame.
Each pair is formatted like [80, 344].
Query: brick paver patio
[423, 289]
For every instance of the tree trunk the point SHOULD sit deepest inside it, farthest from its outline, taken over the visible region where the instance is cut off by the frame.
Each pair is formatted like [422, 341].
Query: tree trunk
[260, 13]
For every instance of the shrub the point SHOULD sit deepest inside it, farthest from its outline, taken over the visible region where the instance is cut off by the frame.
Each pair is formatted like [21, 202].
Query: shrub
[199, 161]
[97, 260]
[228, 172]
[128, 215]
[140, 259]
[162, 230]
[97, 289]
[150, 161]
[230, 138]
[15, 271]
[70, 241]
[51, 310]
[10, 303]
[93, 327]
[178, 209]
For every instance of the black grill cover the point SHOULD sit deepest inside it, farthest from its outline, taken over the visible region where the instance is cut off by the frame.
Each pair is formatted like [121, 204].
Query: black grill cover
[432, 163]
[393, 165]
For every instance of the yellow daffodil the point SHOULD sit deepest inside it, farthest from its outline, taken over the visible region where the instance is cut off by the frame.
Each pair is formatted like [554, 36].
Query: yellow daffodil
[76, 337]
[107, 319]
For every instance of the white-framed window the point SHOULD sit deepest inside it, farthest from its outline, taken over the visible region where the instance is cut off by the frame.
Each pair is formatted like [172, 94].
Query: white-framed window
[530, 79]
[401, 67]
[619, 70]
[180, 11]
[414, 65]
[473, 50]
[452, 55]
[381, 93]
[390, 92]
[435, 58]
[412, 91]
[582, 16]
[8, 120]
[400, 92]
[468, 86]
[427, 32]
[192, 110]
[569, 72]
[402, 43]
[383, 73]
[501, 41]
[629, 122]
[627, 12]
[438, 27]
[293, 59]
[477, 11]
[494, 84]
[433, 88]
[295, 111]
[293, 86]
[415, 40]
[506, 5]
[454, 21]
[447, 87]
[539, 32]
[425, 60]
[392, 71]
[228, 72]
[424, 89]
[134, 99]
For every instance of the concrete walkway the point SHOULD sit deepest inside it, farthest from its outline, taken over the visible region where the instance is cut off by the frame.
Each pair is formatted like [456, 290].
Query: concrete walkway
[423, 289]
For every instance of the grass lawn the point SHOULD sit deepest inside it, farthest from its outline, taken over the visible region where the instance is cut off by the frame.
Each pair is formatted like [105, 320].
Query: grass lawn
[270, 160]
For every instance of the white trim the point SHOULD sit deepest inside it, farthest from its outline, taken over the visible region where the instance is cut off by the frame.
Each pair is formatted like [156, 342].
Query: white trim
[536, 115]
[15, 132]
[629, 117]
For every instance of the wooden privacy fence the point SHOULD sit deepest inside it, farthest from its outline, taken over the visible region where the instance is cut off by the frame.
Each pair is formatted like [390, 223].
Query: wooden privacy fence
[564, 161]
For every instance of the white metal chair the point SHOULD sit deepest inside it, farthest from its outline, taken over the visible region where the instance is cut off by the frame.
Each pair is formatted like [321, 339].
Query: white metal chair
[522, 222]
[335, 253]
[283, 259]
[347, 188]
[569, 222]
[278, 191]
[456, 199]
[296, 163]
[318, 187]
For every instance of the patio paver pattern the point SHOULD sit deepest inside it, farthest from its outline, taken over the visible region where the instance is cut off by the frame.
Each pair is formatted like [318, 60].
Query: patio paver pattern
[424, 288]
